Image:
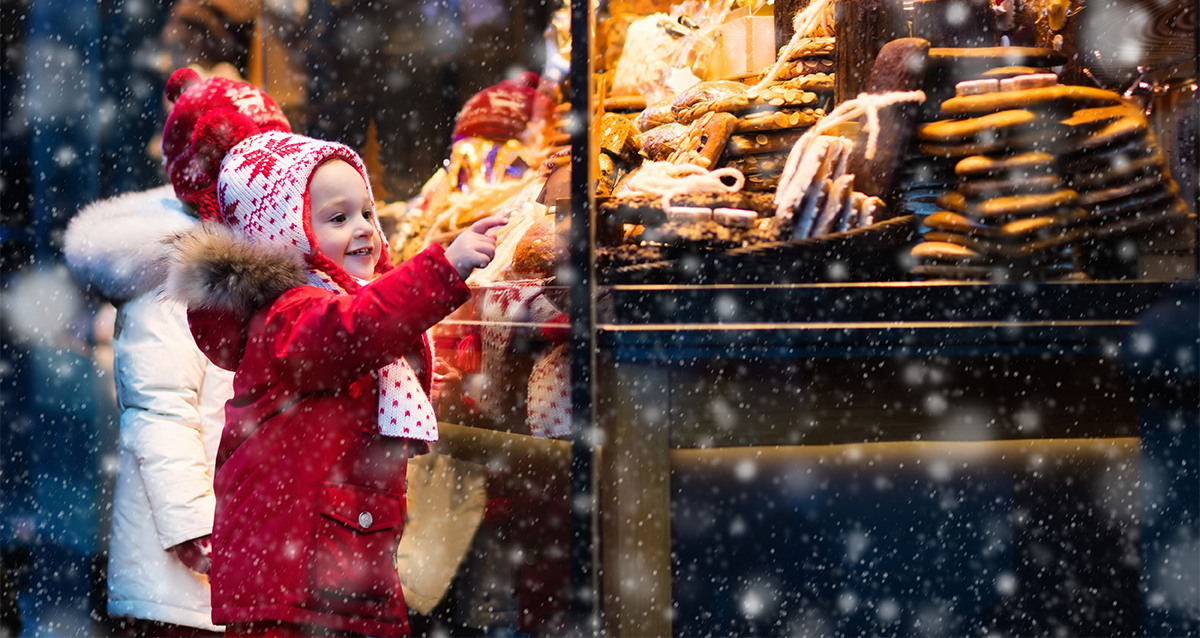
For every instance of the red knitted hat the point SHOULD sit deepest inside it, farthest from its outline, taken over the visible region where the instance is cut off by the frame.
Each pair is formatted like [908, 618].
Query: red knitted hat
[208, 119]
[502, 112]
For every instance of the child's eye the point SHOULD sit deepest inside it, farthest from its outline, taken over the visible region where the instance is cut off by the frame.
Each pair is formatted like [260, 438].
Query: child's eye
[338, 218]
[367, 213]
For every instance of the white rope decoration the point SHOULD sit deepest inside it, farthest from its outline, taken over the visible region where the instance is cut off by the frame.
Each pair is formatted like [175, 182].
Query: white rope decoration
[865, 104]
[668, 180]
[803, 24]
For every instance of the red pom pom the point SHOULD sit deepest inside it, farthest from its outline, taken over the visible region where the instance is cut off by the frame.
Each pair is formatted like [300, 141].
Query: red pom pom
[179, 82]
[220, 130]
[215, 133]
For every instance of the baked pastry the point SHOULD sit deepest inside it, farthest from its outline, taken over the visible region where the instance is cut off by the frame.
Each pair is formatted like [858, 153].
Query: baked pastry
[624, 104]
[619, 137]
[775, 97]
[655, 115]
[705, 140]
[1059, 96]
[703, 93]
[899, 67]
[661, 141]
[534, 256]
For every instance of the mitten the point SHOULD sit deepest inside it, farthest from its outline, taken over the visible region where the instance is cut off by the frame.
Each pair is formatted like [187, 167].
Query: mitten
[195, 554]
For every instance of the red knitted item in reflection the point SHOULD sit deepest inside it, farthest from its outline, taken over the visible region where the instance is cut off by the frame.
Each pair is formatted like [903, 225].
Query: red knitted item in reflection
[502, 112]
[468, 357]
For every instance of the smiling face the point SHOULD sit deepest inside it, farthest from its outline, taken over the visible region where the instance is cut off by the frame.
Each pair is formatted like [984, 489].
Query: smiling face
[343, 218]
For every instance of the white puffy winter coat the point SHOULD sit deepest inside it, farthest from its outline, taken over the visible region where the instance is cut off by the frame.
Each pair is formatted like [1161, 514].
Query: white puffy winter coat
[172, 403]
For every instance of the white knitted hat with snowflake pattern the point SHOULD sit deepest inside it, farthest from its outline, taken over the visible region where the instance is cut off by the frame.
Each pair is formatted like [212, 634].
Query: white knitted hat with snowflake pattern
[262, 190]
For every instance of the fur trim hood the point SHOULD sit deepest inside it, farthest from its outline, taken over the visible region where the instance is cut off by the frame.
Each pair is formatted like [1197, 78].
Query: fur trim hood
[214, 268]
[118, 247]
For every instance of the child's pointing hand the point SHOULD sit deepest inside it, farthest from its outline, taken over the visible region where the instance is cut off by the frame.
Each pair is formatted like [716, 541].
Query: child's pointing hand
[475, 247]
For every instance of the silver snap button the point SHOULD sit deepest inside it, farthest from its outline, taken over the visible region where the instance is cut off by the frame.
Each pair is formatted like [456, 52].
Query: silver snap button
[365, 519]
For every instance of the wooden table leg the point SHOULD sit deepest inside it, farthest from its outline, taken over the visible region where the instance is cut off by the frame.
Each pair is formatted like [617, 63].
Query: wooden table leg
[635, 496]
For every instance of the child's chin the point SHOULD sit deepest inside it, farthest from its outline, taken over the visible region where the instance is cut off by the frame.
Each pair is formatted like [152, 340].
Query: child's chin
[364, 270]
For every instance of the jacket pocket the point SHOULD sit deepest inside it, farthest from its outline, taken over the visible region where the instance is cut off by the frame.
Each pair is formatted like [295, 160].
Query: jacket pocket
[357, 534]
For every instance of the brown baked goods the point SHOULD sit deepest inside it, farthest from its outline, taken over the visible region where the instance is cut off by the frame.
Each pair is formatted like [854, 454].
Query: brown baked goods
[661, 141]
[813, 46]
[1002, 72]
[779, 141]
[534, 256]
[704, 93]
[1060, 96]
[1136, 220]
[946, 221]
[948, 260]
[762, 170]
[1030, 162]
[655, 115]
[1011, 247]
[1012, 183]
[900, 66]
[772, 98]
[985, 126]
[776, 120]
[816, 195]
[806, 66]
[648, 208]
[699, 232]
[1119, 171]
[607, 175]
[1010, 208]
[625, 103]
[705, 140]
[993, 57]
[619, 137]
[1100, 116]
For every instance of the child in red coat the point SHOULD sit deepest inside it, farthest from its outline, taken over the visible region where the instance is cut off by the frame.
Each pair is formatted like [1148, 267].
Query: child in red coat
[289, 285]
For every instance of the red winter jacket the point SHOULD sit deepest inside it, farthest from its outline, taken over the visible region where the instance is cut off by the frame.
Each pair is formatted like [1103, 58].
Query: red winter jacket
[310, 500]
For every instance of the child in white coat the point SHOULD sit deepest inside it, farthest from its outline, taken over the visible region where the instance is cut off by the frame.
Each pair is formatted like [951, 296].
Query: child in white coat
[171, 397]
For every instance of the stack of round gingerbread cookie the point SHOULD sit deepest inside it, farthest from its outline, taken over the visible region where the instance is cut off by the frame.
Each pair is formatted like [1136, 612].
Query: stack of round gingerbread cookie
[1011, 215]
[809, 56]
[1119, 171]
[1054, 171]
[1010, 219]
[922, 178]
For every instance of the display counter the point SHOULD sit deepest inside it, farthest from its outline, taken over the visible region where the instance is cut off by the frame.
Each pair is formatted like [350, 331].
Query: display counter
[888, 325]
[849, 382]
[888, 458]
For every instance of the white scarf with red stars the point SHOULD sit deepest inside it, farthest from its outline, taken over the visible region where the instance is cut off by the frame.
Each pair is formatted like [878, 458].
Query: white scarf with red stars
[405, 410]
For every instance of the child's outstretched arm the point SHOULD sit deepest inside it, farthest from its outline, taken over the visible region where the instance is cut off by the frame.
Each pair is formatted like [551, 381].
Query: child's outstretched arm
[474, 248]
